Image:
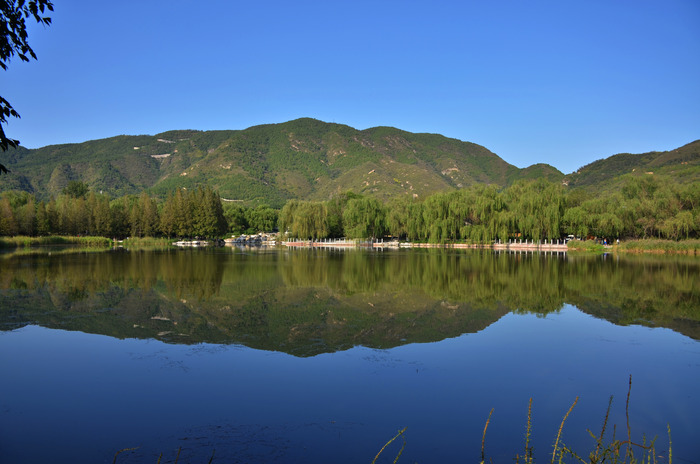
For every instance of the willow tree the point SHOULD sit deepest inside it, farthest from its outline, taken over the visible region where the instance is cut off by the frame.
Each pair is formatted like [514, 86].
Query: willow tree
[538, 207]
[576, 221]
[364, 218]
[312, 220]
[487, 217]
[304, 219]
[397, 217]
[442, 214]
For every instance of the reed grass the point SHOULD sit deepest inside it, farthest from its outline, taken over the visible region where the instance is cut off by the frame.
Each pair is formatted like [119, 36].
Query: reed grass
[146, 242]
[528, 432]
[483, 436]
[28, 242]
[121, 451]
[612, 452]
[686, 247]
[561, 427]
[400, 434]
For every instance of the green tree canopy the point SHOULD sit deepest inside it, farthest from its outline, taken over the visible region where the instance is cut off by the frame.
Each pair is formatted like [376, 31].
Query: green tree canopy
[76, 189]
[364, 218]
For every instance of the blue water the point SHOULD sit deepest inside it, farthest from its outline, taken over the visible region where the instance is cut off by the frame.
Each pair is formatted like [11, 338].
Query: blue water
[69, 397]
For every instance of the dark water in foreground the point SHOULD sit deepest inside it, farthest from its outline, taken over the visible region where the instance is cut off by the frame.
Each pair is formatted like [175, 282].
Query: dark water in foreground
[320, 356]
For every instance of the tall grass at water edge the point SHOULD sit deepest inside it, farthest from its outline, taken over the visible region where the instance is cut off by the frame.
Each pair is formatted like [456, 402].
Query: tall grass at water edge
[687, 247]
[605, 450]
[94, 242]
[146, 242]
[24, 242]
[656, 246]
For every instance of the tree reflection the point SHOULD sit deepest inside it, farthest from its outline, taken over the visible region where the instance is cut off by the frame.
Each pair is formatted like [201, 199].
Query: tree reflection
[309, 301]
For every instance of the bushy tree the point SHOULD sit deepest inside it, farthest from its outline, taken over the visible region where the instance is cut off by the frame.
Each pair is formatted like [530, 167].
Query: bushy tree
[76, 189]
[261, 219]
[235, 215]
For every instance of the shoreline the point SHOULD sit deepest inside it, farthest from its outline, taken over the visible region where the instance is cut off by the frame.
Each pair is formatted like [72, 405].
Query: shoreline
[516, 246]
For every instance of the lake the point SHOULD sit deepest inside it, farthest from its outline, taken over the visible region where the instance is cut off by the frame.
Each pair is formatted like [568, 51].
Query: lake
[278, 355]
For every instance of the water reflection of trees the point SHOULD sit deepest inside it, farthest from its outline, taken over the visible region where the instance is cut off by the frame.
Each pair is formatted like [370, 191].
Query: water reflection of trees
[293, 299]
[480, 278]
[644, 290]
[185, 273]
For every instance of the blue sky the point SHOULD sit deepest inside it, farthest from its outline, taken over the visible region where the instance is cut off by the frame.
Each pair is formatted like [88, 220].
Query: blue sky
[561, 82]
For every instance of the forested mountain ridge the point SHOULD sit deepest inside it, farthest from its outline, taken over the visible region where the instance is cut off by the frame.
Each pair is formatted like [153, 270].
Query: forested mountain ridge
[681, 164]
[304, 158]
[308, 159]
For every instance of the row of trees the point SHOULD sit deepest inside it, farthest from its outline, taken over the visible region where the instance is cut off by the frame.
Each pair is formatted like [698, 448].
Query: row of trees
[77, 211]
[534, 210]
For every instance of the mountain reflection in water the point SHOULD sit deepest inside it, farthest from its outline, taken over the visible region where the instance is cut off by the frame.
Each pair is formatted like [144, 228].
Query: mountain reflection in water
[306, 302]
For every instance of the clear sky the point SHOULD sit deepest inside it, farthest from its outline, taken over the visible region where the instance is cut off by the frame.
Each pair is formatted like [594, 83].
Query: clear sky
[562, 82]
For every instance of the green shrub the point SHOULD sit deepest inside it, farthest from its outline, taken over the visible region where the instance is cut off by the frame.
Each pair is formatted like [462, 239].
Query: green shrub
[588, 246]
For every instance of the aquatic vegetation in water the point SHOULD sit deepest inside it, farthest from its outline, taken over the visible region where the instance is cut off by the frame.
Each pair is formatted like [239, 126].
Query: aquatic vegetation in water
[614, 451]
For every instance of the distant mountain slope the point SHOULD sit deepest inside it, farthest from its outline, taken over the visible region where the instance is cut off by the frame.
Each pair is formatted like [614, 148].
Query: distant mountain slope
[681, 164]
[304, 158]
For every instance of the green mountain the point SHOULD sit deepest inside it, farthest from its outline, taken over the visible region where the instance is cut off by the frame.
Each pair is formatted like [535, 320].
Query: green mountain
[680, 165]
[304, 158]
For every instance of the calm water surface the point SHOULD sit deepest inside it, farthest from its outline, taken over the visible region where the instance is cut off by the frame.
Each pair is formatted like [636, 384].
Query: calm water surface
[322, 356]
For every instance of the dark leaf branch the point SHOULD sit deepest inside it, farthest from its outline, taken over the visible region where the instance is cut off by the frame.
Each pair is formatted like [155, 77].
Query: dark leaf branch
[14, 41]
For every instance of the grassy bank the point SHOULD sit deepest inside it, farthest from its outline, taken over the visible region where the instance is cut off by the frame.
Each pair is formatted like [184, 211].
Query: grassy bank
[686, 247]
[28, 242]
[655, 246]
[587, 246]
[24, 242]
[146, 242]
